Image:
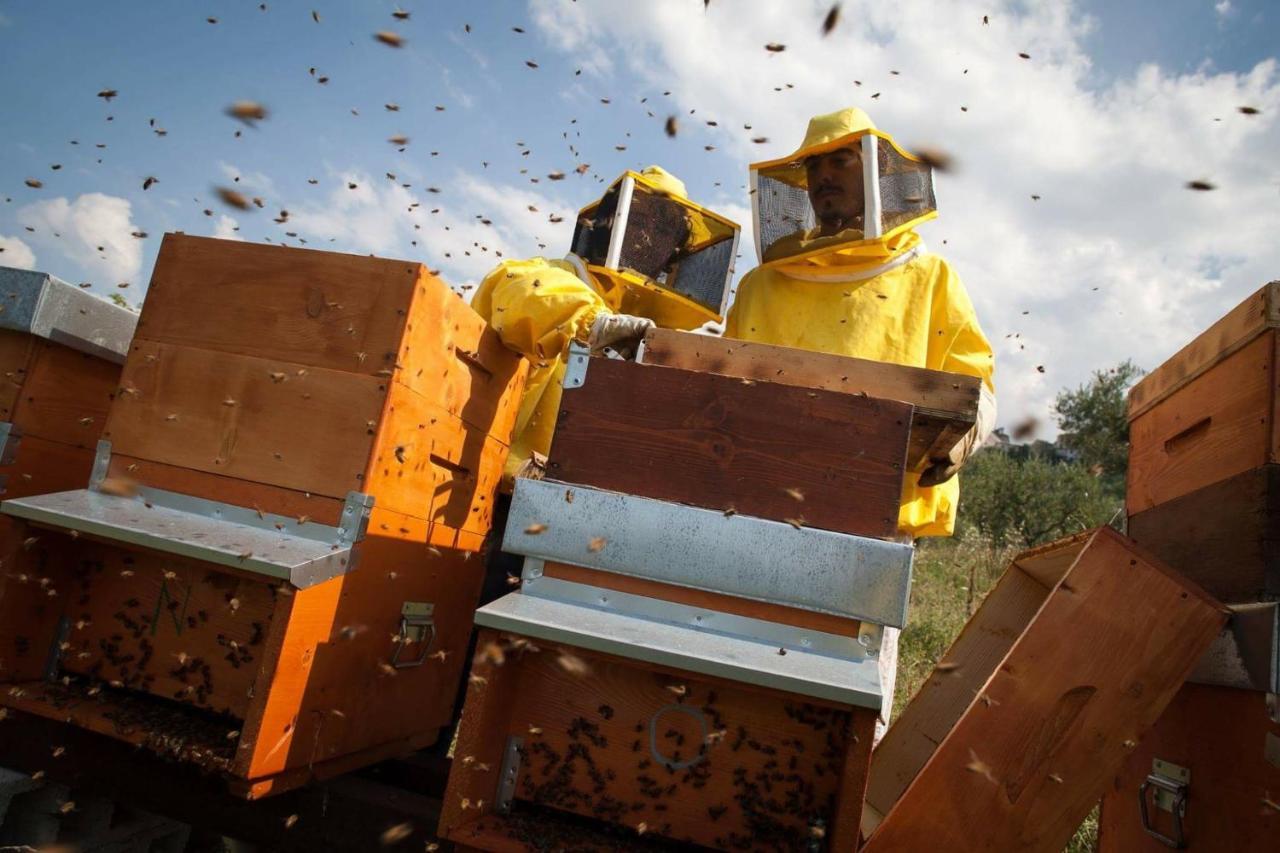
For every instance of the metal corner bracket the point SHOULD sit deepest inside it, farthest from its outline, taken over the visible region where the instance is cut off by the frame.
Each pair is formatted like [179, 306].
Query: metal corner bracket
[575, 372]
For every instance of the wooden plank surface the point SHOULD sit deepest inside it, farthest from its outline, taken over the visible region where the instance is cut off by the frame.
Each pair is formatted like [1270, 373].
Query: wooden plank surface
[29, 614]
[302, 428]
[604, 738]
[818, 458]
[1225, 537]
[42, 466]
[453, 359]
[332, 690]
[951, 690]
[430, 465]
[715, 601]
[164, 625]
[320, 309]
[1221, 736]
[1217, 425]
[15, 357]
[1068, 703]
[946, 404]
[66, 395]
[1239, 327]
[232, 490]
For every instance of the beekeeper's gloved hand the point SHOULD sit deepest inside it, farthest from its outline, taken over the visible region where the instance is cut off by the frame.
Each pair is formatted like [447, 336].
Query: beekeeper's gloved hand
[942, 470]
[619, 332]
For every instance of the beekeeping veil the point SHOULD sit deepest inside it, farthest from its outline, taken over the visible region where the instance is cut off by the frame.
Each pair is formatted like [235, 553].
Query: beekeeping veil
[896, 190]
[672, 259]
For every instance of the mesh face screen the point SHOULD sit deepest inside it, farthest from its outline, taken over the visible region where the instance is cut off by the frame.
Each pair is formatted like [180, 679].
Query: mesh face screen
[656, 230]
[786, 223]
[591, 234]
[668, 243]
[703, 275]
[906, 191]
[783, 210]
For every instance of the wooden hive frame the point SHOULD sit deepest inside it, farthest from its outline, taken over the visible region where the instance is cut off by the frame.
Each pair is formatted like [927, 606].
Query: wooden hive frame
[352, 431]
[1012, 739]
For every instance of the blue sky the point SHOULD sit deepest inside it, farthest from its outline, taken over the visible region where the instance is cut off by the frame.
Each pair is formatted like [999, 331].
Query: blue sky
[1113, 113]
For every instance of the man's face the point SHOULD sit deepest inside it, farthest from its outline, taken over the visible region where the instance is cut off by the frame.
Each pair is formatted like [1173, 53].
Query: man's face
[835, 186]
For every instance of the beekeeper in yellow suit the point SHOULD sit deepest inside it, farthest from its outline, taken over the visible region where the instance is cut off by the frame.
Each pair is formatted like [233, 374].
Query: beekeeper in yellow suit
[843, 271]
[642, 255]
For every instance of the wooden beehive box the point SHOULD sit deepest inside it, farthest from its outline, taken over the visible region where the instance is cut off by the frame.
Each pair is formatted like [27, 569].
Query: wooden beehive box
[945, 404]
[1209, 412]
[1228, 744]
[1224, 536]
[1049, 687]
[671, 674]
[60, 353]
[815, 457]
[253, 583]
[602, 750]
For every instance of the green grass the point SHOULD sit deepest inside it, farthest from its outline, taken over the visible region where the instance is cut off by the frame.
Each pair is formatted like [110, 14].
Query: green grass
[950, 579]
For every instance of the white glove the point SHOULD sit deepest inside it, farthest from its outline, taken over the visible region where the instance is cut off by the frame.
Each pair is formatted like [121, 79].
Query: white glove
[941, 471]
[622, 332]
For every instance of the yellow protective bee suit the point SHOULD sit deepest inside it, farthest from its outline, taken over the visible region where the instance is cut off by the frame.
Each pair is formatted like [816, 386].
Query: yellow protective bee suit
[884, 299]
[539, 307]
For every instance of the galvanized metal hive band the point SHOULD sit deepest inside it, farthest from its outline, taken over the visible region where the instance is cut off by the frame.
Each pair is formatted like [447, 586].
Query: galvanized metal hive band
[48, 307]
[817, 570]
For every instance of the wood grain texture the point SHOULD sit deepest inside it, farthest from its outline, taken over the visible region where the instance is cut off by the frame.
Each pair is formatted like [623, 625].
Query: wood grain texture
[719, 442]
[41, 466]
[1055, 718]
[945, 697]
[452, 358]
[66, 395]
[1220, 735]
[603, 738]
[307, 429]
[1241, 325]
[29, 614]
[152, 623]
[715, 601]
[245, 493]
[332, 691]
[430, 465]
[946, 404]
[1225, 536]
[15, 357]
[319, 309]
[1215, 426]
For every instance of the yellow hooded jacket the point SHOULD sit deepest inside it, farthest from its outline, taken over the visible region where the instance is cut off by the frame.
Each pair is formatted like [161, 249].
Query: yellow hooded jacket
[882, 299]
[539, 306]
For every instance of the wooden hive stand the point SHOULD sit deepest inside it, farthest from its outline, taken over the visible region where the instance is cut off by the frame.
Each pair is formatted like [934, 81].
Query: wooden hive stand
[269, 574]
[686, 661]
[61, 349]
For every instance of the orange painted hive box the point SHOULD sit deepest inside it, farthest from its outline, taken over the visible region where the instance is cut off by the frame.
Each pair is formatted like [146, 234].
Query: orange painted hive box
[270, 573]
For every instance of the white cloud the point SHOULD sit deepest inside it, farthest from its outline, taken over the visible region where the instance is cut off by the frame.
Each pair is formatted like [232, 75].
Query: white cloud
[1117, 259]
[252, 183]
[226, 228]
[94, 231]
[15, 253]
[1223, 8]
[476, 223]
